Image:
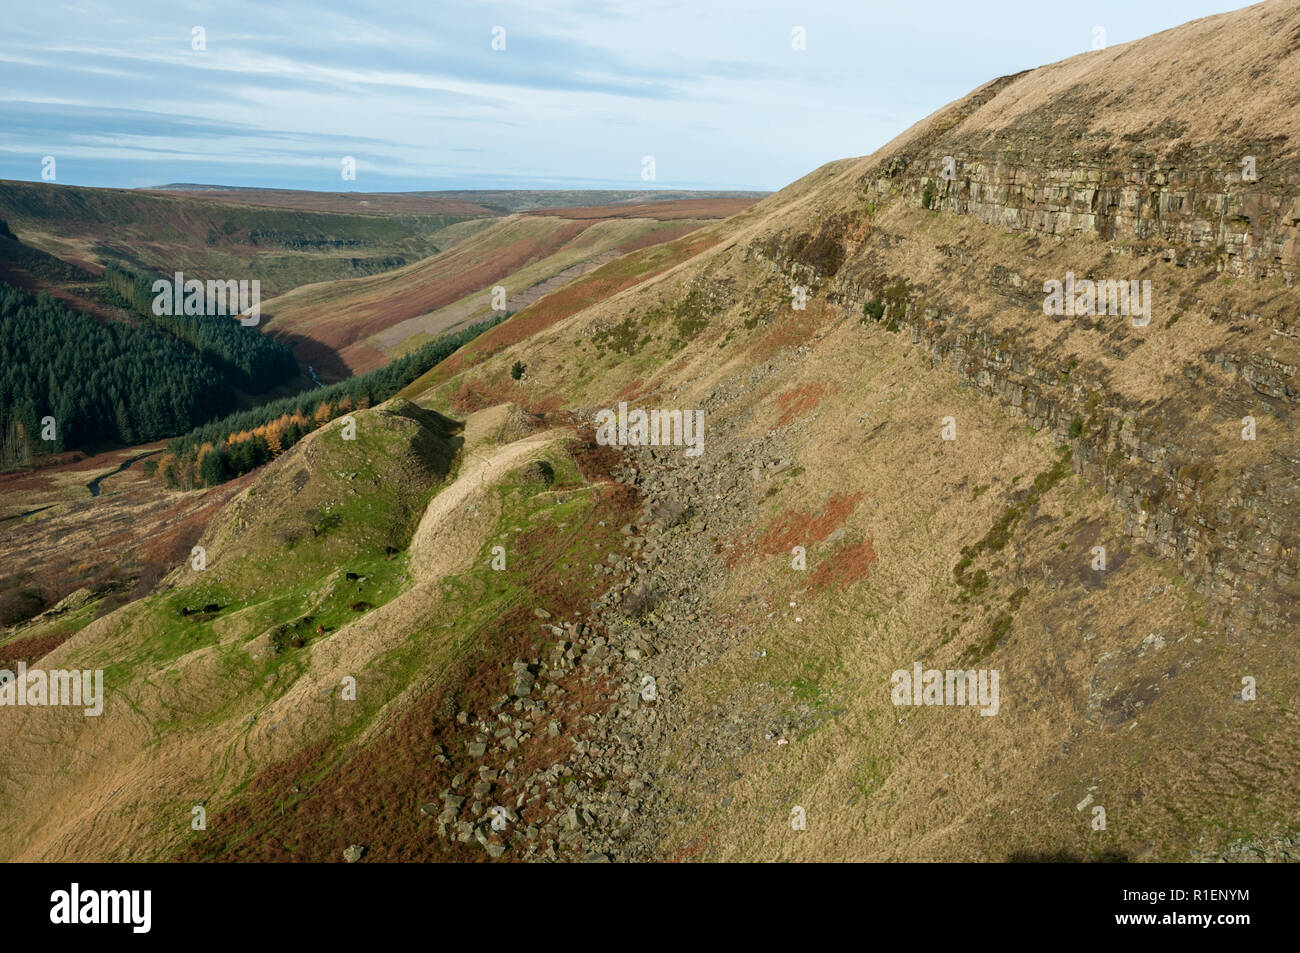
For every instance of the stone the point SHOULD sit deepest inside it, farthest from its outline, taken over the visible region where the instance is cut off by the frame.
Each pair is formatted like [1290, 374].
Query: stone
[523, 681]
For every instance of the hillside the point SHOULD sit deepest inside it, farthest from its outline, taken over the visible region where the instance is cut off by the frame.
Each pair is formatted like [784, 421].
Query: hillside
[358, 277]
[352, 326]
[926, 302]
[909, 457]
[161, 232]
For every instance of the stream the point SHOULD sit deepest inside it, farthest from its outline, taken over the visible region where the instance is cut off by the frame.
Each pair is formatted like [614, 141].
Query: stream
[93, 485]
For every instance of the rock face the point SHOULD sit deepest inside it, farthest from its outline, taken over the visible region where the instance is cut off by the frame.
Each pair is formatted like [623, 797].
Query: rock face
[1197, 206]
[1226, 232]
[1240, 548]
[946, 239]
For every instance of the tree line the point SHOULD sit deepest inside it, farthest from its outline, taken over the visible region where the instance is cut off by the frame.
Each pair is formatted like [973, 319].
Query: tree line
[226, 448]
[249, 359]
[68, 380]
[99, 382]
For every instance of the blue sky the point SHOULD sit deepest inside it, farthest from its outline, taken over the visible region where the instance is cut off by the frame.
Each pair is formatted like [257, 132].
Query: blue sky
[582, 92]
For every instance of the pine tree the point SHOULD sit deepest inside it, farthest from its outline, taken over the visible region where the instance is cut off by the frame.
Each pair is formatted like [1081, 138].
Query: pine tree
[125, 432]
[212, 467]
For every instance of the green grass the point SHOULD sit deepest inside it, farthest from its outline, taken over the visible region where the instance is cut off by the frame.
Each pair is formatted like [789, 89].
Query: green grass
[290, 567]
[551, 531]
[806, 686]
[626, 337]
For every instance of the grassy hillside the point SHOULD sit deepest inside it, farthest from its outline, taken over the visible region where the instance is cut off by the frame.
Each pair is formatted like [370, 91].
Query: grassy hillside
[326, 502]
[474, 203]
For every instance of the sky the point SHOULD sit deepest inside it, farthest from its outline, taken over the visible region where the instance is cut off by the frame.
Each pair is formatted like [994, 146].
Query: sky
[460, 94]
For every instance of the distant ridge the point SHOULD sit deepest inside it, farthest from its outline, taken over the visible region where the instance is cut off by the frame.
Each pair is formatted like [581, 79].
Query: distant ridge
[503, 200]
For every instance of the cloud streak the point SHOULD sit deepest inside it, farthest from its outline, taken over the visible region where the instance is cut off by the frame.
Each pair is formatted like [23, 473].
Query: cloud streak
[580, 94]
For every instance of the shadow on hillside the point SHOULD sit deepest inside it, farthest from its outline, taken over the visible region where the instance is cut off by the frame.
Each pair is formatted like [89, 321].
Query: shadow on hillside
[440, 437]
[309, 352]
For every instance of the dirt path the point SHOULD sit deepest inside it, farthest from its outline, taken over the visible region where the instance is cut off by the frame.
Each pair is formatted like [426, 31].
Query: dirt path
[444, 544]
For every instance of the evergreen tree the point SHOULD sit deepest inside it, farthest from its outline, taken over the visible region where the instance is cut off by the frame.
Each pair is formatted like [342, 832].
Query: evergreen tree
[125, 430]
[100, 382]
[247, 358]
[212, 467]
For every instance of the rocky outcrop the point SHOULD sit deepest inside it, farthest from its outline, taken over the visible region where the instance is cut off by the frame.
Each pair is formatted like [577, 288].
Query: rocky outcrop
[1197, 208]
[1238, 545]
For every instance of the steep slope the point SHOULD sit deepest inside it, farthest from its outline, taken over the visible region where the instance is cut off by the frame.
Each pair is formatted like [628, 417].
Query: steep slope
[194, 671]
[340, 590]
[1122, 688]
